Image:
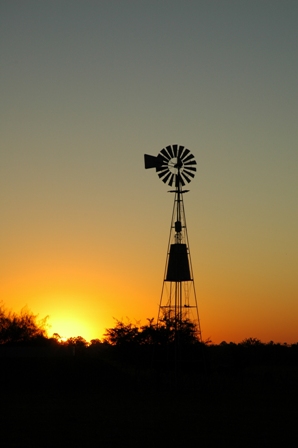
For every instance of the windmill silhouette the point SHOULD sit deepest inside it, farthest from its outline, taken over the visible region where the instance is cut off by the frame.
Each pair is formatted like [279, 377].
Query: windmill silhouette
[176, 166]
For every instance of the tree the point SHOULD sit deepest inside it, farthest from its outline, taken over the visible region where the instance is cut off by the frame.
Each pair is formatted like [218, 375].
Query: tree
[164, 333]
[77, 341]
[251, 342]
[23, 327]
[121, 334]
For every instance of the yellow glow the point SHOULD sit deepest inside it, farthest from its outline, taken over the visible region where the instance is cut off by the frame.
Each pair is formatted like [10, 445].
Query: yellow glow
[70, 317]
[70, 326]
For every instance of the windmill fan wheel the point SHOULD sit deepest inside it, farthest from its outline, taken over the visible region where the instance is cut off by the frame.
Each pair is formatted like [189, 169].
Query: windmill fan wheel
[175, 164]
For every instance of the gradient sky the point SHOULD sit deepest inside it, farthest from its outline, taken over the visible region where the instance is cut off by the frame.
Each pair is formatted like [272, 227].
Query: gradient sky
[88, 87]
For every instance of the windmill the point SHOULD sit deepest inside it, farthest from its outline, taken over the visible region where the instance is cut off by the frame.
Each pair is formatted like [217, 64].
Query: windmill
[176, 166]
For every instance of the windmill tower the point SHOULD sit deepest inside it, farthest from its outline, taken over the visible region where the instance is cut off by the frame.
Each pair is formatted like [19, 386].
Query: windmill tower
[175, 166]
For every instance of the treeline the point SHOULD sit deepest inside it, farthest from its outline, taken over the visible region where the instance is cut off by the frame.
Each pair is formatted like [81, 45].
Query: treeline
[146, 346]
[156, 380]
[166, 344]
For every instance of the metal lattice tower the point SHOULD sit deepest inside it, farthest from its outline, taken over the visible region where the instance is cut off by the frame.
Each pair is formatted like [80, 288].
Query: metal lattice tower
[175, 165]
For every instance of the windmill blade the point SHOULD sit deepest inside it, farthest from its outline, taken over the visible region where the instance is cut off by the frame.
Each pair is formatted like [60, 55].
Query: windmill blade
[163, 171]
[189, 173]
[171, 152]
[188, 179]
[162, 167]
[185, 152]
[179, 152]
[175, 147]
[165, 154]
[192, 168]
[167, 176]
[161, 162]
[190, 162]
[187, 158]
[168, 149]
[172, 179]
[179, 180]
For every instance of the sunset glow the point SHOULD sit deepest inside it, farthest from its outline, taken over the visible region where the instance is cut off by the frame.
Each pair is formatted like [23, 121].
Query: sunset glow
[88, 89]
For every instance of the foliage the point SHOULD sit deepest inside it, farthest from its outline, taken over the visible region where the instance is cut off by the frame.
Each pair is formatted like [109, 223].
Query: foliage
[251, 342]
[167, 332]
[121, 334]
[23, 327]
[77, 341]
[95, 343]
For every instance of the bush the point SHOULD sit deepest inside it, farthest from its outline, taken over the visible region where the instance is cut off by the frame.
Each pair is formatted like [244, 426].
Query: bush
[23, 327]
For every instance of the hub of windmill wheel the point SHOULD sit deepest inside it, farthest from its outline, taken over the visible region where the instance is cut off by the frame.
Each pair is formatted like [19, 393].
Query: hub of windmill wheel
[175, 165]
[179, 164]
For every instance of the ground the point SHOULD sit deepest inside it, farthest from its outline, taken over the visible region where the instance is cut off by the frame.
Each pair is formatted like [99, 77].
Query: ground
[87, 402]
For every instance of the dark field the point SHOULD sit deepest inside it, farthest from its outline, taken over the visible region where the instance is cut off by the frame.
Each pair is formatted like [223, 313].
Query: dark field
[87, 401]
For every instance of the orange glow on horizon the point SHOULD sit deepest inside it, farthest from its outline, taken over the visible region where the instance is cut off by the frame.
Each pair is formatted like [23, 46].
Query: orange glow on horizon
[72, 316]
[81, 310]
[84, 299]
[70, 326]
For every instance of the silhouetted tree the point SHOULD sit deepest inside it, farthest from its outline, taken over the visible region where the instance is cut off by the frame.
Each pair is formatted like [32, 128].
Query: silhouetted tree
[23, 327]
[77, 341]
[121, 334]
[166, 332]
[95, 343]
[251, 342]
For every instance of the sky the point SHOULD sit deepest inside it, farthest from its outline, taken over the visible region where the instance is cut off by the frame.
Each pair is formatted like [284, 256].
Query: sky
[87, 88]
